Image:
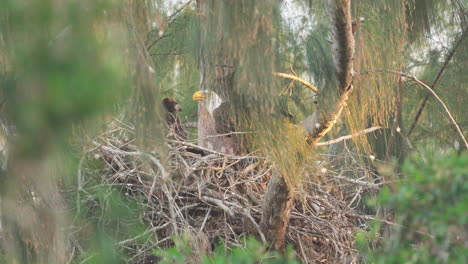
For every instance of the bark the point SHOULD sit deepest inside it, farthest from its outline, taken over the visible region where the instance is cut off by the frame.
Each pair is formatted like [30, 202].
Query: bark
[278, 199]
[277, 205]
[331, 102]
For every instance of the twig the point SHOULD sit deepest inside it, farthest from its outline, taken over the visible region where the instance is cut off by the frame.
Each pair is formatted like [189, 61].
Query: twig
[205, 219]
[179, 10]
[187, 144]
[246, 213]
[158, 39]
[372, 218]
[226, 134]
[358, 182]
[439, 75]
[304, 256]
[420, 83]
[407, 141]
[445, 107]
[80, 183]
[170, 19]
[396, 120]
[296, 78]
[165, 54]
[126, 241]
[218, 203]
[333, 141]
[164, 173]
[355, 196]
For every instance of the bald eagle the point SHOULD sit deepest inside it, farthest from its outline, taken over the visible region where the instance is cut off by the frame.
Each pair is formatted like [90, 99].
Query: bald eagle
[218, 109]
[215, 118]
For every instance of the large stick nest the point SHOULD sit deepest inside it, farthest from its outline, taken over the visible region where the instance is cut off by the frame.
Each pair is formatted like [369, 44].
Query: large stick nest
[209, 197]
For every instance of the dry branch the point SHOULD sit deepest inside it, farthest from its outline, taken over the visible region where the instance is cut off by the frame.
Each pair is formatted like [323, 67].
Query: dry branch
[298, 79]
[362, 132]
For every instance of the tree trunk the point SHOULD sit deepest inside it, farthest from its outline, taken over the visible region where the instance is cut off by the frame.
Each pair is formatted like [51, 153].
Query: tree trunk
[278, 199]
[277, 205]
[216, 74]
[331, 102]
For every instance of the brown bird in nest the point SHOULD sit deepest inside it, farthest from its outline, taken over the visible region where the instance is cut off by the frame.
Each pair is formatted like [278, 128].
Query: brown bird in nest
[173, 119]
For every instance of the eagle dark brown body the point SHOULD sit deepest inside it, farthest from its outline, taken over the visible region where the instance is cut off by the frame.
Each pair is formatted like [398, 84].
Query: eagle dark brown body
[223, 119]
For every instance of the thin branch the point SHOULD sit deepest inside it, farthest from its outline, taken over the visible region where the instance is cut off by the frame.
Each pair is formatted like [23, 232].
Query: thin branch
[396, 120]
[179, 10]
[171, 20]
[372, 218]
[343, 45]
[207, 150]
[158, 39]
[218, 203]
[164, 173]
[362, 132]
[445, 107]
[227, 134]
[297, 78]
[439, 75]
[165, 54]
[359, 182]
[151, 230]
[420, 83]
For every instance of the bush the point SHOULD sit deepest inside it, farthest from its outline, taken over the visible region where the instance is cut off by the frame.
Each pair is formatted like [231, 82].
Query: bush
[429, 207]
[252, 252]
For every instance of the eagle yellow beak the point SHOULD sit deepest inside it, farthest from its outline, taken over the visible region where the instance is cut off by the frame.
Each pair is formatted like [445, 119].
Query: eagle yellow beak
[199, 95]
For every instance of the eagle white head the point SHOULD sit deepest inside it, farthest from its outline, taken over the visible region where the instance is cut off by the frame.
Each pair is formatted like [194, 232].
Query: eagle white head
[211, 99]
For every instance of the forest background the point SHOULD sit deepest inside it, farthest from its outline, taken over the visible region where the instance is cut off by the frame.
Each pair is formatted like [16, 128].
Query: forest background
[91, 172]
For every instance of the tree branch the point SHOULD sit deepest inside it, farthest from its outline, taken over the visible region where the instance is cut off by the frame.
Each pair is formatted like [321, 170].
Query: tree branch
[439, 75]
[328, 112]
[445, 107]
[179, 10]
[158, 39]
[362, 132]
[420, 83]
[297, 78]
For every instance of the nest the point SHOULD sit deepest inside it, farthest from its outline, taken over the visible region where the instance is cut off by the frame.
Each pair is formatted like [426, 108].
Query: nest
[210, 198]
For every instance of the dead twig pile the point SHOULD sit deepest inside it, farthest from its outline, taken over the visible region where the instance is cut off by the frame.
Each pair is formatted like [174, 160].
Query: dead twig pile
[210, 198]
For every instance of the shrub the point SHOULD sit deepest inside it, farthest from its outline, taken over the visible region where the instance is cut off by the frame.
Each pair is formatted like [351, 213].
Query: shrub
[429, 207]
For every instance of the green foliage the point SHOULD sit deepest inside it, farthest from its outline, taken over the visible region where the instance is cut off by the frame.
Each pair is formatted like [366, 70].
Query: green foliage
[319, 56]
[429, 208]
[61, 66]
[179, 253]
[451, 87]
[174, 52]
[252, 252]
[61, 70]
[109, 217]
[107, 214]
